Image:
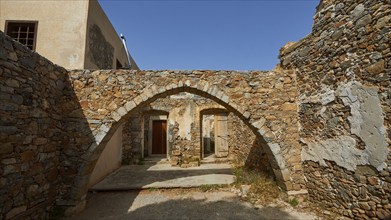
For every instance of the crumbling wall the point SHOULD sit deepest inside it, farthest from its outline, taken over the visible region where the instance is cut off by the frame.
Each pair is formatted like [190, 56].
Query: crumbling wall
[344, 84]
[184, 130]
[31, 131]
[183, 124]
[184, 117]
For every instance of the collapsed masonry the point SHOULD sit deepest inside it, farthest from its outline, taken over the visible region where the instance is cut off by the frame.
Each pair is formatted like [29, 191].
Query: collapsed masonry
[323, 116]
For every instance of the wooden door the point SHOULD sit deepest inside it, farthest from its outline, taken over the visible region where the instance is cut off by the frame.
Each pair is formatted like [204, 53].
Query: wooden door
[221, 135]
[159, 137]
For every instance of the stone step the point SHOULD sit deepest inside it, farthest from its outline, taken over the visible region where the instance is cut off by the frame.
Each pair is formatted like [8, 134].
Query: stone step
[155, 160]
[215, 161]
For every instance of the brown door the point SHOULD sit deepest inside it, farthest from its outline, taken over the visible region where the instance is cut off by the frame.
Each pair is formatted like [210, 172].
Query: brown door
[159, 137]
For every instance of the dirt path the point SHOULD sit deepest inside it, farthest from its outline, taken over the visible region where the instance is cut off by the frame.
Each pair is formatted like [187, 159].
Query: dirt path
[180, 204]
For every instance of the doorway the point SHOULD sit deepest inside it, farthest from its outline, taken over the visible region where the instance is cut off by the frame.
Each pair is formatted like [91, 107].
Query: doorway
[214, 134]
[159, 136]
[208, 137]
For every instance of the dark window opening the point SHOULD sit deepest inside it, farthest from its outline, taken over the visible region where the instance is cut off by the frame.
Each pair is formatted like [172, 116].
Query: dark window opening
[24, 32]
[118, 65]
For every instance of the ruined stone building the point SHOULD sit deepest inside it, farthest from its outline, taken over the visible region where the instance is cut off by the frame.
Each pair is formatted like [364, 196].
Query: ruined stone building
[185, 129]
[75, 35]
[320, 122]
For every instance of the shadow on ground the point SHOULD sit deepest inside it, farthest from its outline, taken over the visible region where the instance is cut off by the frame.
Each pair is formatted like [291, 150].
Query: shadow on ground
[135, 177]
[174, 205]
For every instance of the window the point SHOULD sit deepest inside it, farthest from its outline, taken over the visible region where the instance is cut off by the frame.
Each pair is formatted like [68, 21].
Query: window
[25, 32]
[118, 64]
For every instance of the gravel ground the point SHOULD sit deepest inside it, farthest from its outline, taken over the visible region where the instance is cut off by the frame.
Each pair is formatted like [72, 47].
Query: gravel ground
[181, 204]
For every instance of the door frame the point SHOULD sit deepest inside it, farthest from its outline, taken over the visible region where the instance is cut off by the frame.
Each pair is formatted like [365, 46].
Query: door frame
[150, 130]
[202, 134]
[215, 112]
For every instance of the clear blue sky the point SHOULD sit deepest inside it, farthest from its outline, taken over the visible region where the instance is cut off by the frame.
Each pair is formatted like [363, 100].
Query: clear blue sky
[206, 34]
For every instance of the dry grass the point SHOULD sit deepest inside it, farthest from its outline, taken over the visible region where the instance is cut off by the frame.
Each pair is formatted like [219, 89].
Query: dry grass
[263, 187]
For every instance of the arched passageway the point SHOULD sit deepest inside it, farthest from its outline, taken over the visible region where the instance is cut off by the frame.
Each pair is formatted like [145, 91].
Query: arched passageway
[264, 101]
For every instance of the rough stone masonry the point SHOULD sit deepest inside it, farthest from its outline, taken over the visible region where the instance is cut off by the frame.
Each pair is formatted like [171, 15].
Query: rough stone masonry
[324, 114]
[344, 97]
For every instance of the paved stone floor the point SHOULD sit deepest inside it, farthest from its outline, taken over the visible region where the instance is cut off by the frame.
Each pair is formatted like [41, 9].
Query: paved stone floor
[156, 190]
[162, 175]
[180, 204]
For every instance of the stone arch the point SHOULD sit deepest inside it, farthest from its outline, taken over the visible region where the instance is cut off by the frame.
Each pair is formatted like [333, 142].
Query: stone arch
[202, 88]
[154, 112]
[212, 110]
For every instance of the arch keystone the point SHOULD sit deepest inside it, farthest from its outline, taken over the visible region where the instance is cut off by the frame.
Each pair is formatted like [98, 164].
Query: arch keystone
[180, 83]
[171, 86]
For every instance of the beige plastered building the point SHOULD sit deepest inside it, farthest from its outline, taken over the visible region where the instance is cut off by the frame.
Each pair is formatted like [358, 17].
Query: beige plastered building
[73, 34]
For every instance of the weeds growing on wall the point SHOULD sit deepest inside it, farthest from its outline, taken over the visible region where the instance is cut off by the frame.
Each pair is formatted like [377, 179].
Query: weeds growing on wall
[294, 202]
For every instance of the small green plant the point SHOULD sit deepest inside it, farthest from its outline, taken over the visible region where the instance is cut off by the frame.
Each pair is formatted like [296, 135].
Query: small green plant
[205, 188]
[294, 202]
[152, 189]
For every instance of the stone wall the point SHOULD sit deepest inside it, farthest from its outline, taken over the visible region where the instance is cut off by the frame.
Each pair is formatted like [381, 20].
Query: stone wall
[344, 82]
[31, 131]
[131, 140]
[245, 148]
